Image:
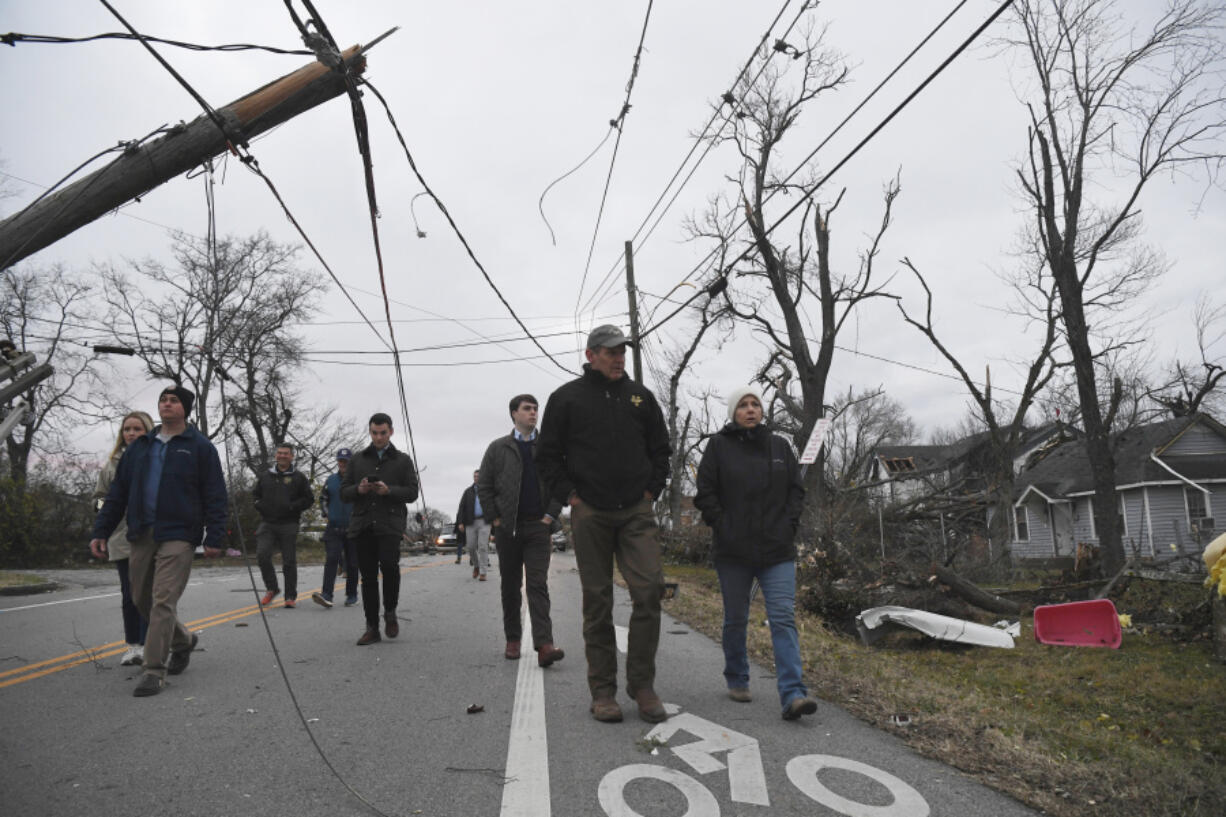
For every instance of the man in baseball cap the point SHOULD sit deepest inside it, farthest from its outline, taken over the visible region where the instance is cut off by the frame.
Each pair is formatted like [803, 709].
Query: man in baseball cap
[609, 470]
[336, 543]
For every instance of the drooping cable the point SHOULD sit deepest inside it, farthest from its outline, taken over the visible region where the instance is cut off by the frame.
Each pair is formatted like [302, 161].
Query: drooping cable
[812, 189]
[13, 38]
[600, 289]
[455, 228]
[617, 123]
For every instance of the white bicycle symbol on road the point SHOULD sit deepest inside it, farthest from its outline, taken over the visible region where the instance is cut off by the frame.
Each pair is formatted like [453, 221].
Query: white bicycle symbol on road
[746, 777]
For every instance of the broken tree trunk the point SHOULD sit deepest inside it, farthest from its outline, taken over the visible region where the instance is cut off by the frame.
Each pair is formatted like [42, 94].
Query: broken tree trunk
[975, 595]
[144, 167]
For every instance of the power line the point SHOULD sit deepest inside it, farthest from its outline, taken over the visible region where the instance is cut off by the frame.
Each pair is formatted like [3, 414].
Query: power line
[616, 123]
[13, 38]
[812, 190]
[728, 99]
[455, 228]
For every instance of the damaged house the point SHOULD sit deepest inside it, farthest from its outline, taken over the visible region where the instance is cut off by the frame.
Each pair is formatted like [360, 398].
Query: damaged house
[1170, 481]
[910, 473]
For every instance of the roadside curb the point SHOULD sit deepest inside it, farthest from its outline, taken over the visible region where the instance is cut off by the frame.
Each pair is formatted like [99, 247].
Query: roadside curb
[29, 589]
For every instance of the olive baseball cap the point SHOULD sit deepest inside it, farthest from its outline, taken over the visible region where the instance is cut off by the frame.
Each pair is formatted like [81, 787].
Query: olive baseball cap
[607, 336]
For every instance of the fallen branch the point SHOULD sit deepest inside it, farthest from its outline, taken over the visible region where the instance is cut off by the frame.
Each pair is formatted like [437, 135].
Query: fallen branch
[975, 595]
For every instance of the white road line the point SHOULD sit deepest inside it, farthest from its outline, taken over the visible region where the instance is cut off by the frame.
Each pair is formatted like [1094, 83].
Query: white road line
[61, 601]
[526, 793]
[72, 601]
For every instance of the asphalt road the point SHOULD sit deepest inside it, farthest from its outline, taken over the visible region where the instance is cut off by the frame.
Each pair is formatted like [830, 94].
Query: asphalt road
[388, 723]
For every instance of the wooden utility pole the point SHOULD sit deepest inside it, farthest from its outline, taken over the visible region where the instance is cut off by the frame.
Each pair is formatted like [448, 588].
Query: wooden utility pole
[142, 168]
[634, 312]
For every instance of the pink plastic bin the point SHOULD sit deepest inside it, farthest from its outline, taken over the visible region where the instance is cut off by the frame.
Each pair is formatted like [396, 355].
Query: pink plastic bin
[1078, 624]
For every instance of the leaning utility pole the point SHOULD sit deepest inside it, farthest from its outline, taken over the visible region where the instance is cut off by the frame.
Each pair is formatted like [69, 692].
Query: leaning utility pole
[634, 312]
[143, 167]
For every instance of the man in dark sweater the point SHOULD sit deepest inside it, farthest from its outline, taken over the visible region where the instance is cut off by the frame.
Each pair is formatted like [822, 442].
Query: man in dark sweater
[604, 450]
[522, 514]
[380, 481]
[281, 494]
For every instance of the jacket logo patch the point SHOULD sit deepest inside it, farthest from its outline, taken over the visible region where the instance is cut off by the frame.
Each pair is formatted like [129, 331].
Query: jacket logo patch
[636, 400]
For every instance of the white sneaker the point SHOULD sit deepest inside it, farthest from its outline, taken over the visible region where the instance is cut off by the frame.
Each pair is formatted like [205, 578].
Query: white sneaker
[135, 654]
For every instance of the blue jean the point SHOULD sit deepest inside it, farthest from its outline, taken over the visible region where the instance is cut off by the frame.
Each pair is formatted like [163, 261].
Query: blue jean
[778, 583]
[338, 546]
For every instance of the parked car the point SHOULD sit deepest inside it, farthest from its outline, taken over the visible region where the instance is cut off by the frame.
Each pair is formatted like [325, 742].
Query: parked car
[446, 540]
[559, 540]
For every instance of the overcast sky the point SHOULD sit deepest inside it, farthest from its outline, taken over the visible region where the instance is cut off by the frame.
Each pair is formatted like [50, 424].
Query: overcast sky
[498, 99]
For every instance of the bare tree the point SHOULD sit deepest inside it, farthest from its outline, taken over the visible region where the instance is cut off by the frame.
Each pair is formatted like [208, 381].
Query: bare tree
[860, 424]
[683, 434]
[1111, 108]
[49, 312]
[223, 312]
[1189, 388]
[778, 286]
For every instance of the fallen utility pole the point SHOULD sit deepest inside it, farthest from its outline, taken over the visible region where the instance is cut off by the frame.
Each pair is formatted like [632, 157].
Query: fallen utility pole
[143, 167]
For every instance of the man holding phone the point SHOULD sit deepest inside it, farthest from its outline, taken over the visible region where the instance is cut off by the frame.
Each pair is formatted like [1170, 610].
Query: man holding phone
[380, 482]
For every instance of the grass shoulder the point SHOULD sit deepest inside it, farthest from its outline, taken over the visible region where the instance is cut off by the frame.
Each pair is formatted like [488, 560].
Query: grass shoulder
[1134, 732]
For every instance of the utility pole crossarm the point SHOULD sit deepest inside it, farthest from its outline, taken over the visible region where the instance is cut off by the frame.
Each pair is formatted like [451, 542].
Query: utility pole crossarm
[142, 168]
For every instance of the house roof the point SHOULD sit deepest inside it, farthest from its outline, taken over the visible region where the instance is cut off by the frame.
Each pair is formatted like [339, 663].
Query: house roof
[927, 458]
[1066, 470]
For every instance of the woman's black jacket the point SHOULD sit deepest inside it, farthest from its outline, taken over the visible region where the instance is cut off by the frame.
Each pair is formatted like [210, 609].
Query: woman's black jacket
[750, 492]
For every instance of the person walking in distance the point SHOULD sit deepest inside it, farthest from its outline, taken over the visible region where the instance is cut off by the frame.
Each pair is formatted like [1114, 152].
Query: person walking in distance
[523, 513]
[604, 450]
[751, 494]
[380, 481]
[169, 487]
[471, 520]
[281, 495]
[339, 549]
[134, 424]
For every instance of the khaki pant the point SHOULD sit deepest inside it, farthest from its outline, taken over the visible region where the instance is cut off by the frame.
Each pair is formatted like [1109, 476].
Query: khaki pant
[630, 537]
[159, 572]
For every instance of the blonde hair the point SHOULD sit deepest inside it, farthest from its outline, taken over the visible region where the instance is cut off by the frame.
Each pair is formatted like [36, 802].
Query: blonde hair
[146, 421]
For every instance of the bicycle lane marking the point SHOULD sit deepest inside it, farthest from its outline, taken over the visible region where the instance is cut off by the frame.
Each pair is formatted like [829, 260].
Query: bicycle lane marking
[526, 792]
[51, 666]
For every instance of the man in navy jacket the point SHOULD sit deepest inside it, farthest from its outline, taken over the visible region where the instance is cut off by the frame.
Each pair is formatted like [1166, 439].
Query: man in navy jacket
[169, 485]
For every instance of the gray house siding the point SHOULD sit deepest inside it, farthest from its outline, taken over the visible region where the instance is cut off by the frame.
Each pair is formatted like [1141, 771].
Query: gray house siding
[1197, 440]
[1083, 522]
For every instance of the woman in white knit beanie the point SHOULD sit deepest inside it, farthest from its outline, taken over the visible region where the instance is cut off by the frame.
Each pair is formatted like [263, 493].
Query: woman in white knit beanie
[750, 493]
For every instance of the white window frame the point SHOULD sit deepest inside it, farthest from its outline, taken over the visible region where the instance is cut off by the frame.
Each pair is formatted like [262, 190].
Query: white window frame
[1093, 525]
[1188, 493]
[1017, 537]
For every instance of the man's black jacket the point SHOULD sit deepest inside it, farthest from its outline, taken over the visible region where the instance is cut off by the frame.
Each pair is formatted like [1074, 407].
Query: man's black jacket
[379, 514]
[281, 496]
[605, 440]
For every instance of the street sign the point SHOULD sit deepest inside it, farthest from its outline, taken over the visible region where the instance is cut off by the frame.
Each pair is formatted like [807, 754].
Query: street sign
[809, 456]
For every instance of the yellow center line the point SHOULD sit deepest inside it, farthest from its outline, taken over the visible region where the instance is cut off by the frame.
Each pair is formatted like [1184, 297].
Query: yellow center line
[53, 665]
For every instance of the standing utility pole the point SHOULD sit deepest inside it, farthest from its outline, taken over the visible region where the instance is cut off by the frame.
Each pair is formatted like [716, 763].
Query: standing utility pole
[143, 167]
[634, 312]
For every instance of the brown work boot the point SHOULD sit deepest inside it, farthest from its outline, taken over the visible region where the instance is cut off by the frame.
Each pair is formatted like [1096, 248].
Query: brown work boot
[651, 708]
[604, 708]
[740, 694]
[370, 636]
[799, 706]
[547, 653]
[390, 625]
[512, 651]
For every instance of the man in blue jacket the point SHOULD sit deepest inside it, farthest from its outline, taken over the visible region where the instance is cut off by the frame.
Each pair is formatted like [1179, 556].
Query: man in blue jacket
[336, 540]
[170, 486]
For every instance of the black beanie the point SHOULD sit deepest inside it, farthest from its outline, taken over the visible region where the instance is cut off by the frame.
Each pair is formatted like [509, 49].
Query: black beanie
[186, 397]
